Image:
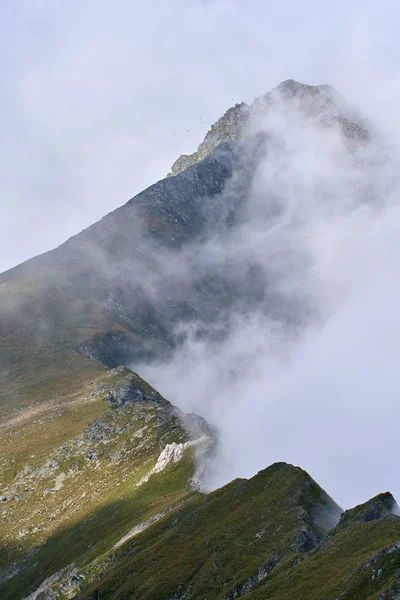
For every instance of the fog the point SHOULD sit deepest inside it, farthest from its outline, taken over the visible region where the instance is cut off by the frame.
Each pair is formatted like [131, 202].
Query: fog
[309, 375]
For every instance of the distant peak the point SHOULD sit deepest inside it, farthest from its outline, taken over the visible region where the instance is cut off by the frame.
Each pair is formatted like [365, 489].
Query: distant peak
[379, 507]
[290, 85]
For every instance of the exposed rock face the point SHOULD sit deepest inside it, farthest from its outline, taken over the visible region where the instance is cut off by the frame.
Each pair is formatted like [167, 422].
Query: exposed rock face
[228, 128]
[131, 389]
[383, 505]
[173, 453]
[319, 102]
[305, 539]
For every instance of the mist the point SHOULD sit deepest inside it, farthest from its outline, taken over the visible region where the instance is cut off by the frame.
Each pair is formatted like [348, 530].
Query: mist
[308, 374]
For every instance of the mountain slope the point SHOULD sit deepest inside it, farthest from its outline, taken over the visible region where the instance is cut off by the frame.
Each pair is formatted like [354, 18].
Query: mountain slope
[216, 545]
[77, 478]
[91, 289]
[359, 560]
[272, 536]
[118, 291]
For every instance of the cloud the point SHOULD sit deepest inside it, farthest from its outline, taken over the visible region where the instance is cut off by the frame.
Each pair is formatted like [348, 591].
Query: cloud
[308, 374]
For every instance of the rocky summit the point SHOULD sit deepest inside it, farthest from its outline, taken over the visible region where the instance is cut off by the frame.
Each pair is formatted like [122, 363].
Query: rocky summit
[103, 489]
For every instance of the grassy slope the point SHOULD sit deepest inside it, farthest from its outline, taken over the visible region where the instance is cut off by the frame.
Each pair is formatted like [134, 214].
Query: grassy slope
[69, 478]
[90, 534]
[340, 568]
[238, 541]
[41, 328]
[218, 544]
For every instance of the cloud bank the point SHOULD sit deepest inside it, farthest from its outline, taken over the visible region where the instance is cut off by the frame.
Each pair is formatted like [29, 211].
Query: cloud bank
[309, 374]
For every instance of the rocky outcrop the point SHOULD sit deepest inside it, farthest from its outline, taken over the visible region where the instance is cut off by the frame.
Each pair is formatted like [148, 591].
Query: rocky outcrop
[229, 127]
[130, 389]
[173, 453]
[379, 507]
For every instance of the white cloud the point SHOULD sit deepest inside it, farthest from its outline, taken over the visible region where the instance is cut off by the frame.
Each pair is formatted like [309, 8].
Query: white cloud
[321, 392]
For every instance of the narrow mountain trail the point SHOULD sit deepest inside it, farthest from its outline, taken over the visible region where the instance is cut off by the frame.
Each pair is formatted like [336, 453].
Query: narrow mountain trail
[33, 411]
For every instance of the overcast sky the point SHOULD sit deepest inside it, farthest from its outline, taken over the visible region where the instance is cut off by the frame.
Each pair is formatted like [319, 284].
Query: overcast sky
[98, 98]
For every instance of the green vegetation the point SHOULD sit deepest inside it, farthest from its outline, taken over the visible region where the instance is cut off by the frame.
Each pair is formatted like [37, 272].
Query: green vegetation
[344, 566]
[219, 544]
[259, 538]
[90, 534]
[255, 538]
[77, 478]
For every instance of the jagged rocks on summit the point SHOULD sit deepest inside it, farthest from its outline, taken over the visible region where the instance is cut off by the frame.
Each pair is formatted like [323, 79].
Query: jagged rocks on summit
[320, 102]
[228, 128]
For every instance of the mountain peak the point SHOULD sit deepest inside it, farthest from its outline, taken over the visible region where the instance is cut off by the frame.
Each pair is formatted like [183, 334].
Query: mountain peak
[290, 86]
[379, 507]
[320, 103]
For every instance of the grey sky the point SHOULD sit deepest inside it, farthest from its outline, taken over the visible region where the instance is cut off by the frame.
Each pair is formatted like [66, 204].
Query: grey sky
[99, 98]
